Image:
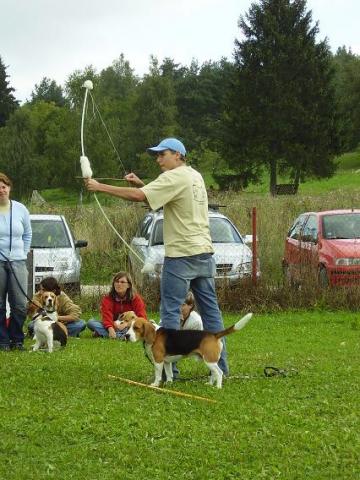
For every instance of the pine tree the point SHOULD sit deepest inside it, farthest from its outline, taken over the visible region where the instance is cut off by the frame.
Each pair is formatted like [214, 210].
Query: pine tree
[8, 103]
[281, 111]
[48, 91]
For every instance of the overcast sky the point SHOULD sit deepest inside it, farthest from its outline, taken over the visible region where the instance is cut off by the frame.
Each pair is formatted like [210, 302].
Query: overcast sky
[51, 38]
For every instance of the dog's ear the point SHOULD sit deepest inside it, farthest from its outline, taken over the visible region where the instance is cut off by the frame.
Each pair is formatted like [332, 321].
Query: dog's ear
[149, 333]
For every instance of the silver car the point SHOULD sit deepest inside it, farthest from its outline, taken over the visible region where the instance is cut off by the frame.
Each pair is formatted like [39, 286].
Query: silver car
[233, 256]
[55, 253]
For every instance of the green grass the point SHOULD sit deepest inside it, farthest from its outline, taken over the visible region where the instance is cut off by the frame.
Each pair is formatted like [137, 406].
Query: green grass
[62, 417]
[346, 178]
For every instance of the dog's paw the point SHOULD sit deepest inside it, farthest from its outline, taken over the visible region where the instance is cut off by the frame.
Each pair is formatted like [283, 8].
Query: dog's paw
[154, 384]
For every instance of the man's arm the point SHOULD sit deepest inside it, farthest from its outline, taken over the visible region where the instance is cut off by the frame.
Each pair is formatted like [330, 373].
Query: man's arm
[127, 193]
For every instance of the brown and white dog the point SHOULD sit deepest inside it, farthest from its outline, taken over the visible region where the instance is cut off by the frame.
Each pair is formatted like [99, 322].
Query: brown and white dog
[164, 346]
[47, 329]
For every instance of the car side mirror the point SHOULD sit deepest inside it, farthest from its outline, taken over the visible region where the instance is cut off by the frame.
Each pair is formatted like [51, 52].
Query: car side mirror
[140, 242]
[248, 239]
[81, 243]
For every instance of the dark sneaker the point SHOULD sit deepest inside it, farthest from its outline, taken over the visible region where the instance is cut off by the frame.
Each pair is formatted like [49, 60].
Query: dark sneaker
[18, 346]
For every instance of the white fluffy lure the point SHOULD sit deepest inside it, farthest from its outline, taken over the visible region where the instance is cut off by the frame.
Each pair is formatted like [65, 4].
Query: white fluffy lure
[88, 84]
[85, 167]
[148, 267]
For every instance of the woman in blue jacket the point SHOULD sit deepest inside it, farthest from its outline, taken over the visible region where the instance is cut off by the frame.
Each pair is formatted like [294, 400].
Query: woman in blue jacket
[15, 240]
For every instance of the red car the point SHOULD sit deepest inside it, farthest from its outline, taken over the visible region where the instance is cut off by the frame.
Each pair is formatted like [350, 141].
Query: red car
[326, 244]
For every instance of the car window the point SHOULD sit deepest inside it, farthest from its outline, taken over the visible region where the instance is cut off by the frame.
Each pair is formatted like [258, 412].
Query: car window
[144, 228]
[49, 234]
[310, 230]
[296, 228]
[158, 238]
[221, 231]
[341, 226]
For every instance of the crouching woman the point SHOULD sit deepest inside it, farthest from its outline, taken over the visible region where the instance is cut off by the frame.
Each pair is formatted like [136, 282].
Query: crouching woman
[121, 298]
[68, 312]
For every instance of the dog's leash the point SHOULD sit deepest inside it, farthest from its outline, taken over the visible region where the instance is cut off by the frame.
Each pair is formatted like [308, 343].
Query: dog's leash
[17, 281]
[268, 372]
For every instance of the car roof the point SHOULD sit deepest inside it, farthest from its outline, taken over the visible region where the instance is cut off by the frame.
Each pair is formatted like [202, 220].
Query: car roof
[212, 213]
[333, 212]
[38, 216]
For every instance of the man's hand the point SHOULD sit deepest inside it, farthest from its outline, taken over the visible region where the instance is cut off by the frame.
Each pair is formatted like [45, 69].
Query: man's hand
[134, 180]
[91, 184]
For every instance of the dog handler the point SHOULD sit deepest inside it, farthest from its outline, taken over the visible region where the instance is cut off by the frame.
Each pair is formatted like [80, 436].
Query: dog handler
[189, 261]
[15, 240]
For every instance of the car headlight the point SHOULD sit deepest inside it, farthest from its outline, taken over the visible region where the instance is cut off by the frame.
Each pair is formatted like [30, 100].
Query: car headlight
[346, 262]
[244, 267]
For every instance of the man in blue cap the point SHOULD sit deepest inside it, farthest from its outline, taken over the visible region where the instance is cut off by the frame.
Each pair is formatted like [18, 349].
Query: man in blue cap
[189, 261]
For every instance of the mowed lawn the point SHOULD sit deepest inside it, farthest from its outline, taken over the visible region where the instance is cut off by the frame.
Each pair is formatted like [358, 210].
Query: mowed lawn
[63, 417]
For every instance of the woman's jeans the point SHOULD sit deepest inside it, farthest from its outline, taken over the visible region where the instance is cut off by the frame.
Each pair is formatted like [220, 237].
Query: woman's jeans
[98, 327]
[178, 276]
[74, 328]
[12, 334]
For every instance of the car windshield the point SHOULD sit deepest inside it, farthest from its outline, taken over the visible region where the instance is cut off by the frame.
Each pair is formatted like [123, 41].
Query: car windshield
[221, 231]
[49, 234]
[346, 226]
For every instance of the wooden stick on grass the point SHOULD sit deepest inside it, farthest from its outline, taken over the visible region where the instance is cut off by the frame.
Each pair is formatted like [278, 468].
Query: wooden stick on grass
[163, 390]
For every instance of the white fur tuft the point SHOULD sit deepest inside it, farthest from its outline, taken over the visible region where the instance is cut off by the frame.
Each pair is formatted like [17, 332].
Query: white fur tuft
[88, 84]
[85, 167]
[148, 267]
[242, 322]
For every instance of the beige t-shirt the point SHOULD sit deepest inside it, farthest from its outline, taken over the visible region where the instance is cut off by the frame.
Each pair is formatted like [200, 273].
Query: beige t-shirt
[182, 193]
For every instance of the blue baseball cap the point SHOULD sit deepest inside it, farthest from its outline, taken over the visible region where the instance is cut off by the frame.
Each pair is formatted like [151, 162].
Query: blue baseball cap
[169, 144]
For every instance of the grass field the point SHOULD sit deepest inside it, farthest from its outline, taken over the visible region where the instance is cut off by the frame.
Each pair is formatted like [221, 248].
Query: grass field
[64, 418]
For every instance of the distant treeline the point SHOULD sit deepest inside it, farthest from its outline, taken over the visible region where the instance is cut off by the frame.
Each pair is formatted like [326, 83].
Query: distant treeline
[285, 103]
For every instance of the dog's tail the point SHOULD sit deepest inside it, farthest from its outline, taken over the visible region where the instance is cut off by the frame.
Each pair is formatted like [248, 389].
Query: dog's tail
[234, 328]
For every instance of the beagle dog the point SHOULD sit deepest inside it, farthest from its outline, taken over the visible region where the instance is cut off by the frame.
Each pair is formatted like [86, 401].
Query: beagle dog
[47, 329]
[164, 346]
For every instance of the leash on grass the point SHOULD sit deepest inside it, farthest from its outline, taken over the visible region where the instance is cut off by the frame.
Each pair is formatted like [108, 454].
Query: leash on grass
[268, 372]
[162, 390]
[279, 372]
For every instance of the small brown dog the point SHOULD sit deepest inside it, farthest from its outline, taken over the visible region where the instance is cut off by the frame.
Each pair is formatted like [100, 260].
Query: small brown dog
[46, 327]
[164, 346]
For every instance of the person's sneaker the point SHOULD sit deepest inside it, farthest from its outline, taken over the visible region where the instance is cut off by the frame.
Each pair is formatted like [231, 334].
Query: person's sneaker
[95, 335]
[4, 348]
[18, 346]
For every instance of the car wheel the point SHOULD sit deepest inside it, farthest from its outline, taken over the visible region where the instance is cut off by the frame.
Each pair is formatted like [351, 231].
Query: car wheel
[323, 278]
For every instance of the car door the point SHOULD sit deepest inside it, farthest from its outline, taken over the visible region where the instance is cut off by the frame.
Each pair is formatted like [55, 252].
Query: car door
[293, 255]
[309, 255]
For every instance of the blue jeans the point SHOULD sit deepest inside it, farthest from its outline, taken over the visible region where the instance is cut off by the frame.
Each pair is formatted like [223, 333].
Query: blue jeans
[13, 333]
[196, 272]
[98, 327]
[74, 328]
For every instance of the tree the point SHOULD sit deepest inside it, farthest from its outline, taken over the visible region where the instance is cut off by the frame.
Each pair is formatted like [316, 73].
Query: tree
[48, 91]
[281, 108]
[40, 146]
[8, 103]
[347, 87]
[155, 112]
